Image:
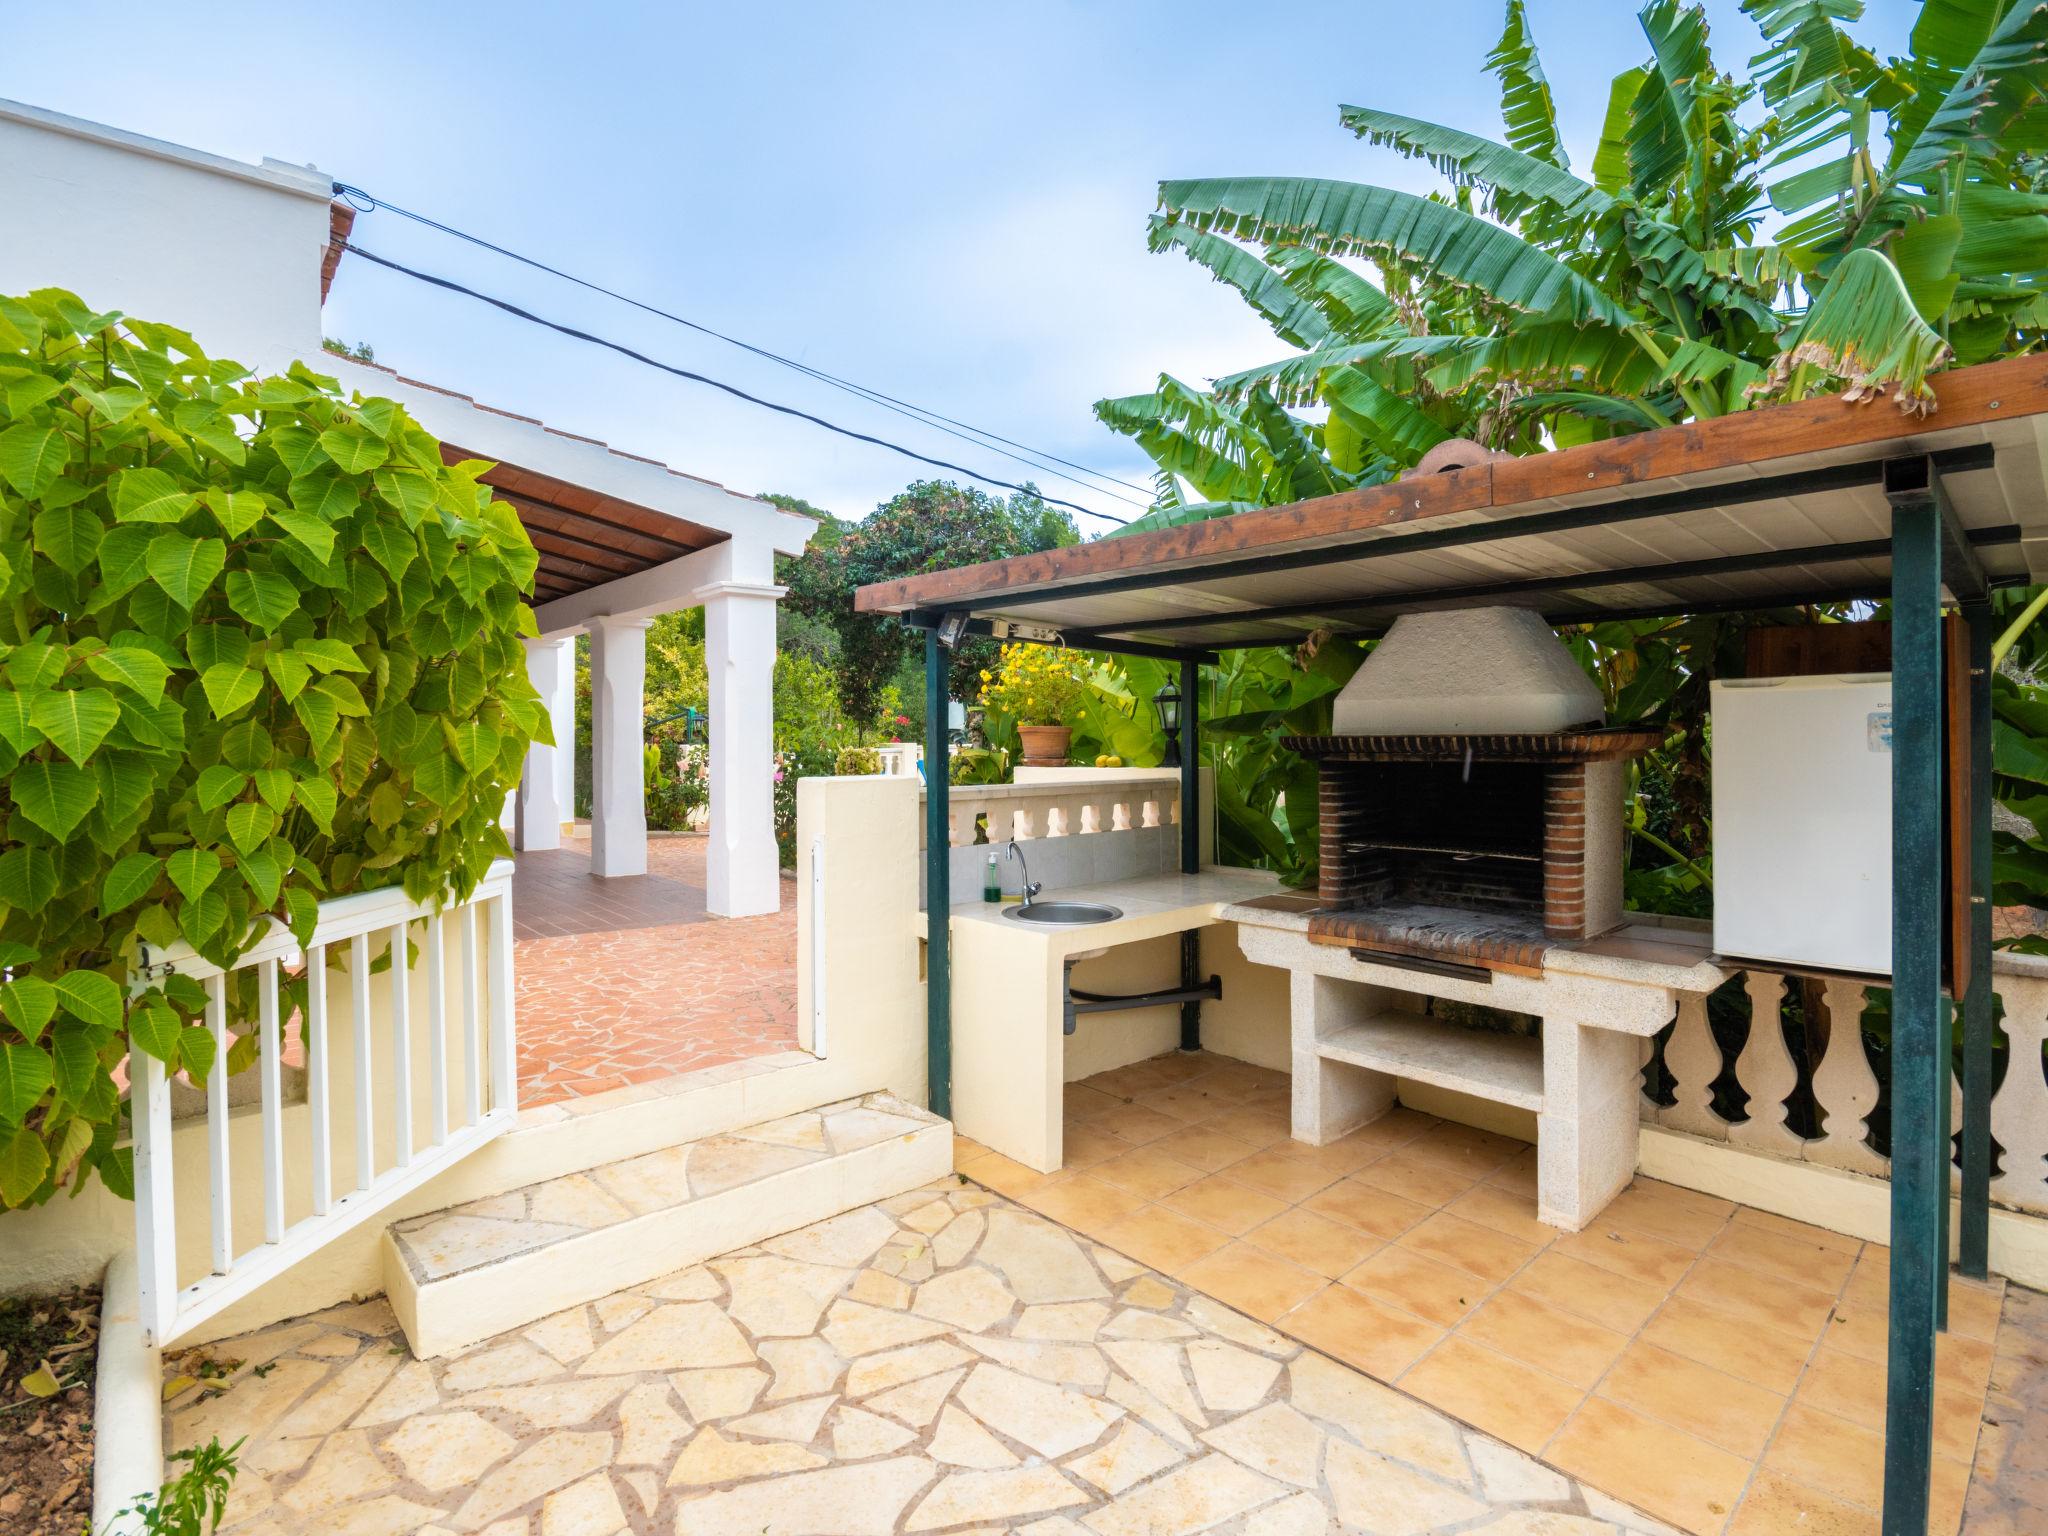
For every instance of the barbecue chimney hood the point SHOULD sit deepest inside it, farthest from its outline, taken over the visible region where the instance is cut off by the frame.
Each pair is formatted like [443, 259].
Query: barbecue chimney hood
[1465, 671]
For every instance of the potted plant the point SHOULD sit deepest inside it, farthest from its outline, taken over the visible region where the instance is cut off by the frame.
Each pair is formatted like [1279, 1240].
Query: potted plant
[1038, 686]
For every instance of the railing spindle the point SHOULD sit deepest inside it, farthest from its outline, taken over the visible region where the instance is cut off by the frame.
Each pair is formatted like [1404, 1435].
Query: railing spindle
[359, 1009]
[437, 1032]
[472, 1038]
[156, 1217]
[504, 1062]
[401, 1047]
[217, 1127]
[319, 1086]
[271, 1087]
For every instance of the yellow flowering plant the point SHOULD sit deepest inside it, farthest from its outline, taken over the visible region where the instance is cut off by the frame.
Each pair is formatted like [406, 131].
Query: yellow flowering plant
[1036, 684]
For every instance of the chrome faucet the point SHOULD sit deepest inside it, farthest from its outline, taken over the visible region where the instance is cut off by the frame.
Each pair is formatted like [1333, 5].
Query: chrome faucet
[1031, 887]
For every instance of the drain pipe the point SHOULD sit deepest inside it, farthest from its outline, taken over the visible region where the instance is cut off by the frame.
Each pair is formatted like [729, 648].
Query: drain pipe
[1188, 994]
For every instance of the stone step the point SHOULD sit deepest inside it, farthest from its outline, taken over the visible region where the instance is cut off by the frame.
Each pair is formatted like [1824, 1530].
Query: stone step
[474, 1270]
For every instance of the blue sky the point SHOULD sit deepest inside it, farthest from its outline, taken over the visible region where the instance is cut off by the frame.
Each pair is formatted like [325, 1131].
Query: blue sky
[945, 202]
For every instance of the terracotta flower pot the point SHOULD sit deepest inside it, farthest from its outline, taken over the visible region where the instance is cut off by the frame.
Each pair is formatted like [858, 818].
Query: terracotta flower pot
[1045, 746]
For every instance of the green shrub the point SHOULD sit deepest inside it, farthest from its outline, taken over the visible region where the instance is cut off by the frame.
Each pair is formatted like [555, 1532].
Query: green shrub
[258, 646]
[854, 762]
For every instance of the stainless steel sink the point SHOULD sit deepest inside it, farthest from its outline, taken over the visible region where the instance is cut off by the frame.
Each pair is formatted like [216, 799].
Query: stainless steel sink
[1070, 914]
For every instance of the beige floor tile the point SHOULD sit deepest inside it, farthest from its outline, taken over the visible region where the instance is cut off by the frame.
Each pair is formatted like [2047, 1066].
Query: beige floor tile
[1503, 1397]
[1624, 1251]
[1315, 1242]
[1367, 1207]
[1415, 1178]
[1853, 1389]
[1665, 1212]
[1253, 1280]
[1973, 1308]
[1518, 1173]
[1777, 1506]
[1763, 1357]
[1962, 1364]
[1785, 1226]
[1765, 1300]
[1083, 1202]
[1146, 1172]
[1584, 1290]
[1084, 1145]
[1136, 1124]
[1279, 1173]
[1715, 1406]
[1225, 1205]
[1258, 1127]
[1506, 1212]
[1202, 1147]
[1003, 1175]
[1858, 1326]
[1361, 1330]
[1491, 1255]
[1464, 1148]
[1189, 1103]
[1417, 1283]
[1164, 1239]
[1338, 1158]
[1661, 1470]
[1538, 1334]
[1785, 1255]
[1829, 1453]
[1084, 1102]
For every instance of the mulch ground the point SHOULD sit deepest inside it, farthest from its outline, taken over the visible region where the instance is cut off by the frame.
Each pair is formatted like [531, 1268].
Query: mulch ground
[46, 1440]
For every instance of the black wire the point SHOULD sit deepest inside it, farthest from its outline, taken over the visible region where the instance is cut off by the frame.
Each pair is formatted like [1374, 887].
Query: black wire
[365, 202]
[684, 373]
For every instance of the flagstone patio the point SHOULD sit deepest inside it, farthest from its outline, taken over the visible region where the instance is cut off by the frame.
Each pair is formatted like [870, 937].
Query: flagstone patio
[944, 1360]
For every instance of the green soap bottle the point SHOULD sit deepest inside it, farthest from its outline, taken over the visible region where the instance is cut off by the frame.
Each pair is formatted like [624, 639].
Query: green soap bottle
[992, 882]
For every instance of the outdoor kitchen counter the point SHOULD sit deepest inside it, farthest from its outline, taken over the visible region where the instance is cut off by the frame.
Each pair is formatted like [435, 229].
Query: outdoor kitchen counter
[1009, 996]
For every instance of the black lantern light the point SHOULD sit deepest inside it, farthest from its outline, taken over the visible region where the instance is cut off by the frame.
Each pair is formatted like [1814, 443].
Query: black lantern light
[1167, 702]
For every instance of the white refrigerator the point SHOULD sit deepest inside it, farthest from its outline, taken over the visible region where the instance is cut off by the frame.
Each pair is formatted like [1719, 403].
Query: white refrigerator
[1802, 794]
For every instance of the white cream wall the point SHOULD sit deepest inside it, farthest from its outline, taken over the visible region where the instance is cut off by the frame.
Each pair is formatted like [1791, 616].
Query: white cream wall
[228, 252]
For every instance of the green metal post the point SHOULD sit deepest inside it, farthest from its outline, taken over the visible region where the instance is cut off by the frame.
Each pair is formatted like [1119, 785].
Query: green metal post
[1919, 1160]
[1190, 767]
[938, 883]
[1977, 1026]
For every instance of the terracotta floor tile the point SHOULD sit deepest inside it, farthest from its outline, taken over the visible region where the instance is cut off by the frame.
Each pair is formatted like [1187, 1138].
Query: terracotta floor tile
[1253, 1280]
[1379, 1339]
[1084, 1103]
[1224, 1205]
[1777, 1506]
[1161, 1238]
[1788, 1256]
[1082, 1202]
[1278, 1173]
[1136, 1124]
[1314, 1242]
[1538, 1334]
[1464, 1148]
[1367, 1207]
[1202, 1147]
[1491, 1392]
[1004, 1175]
[1785, 1226]
[1830, 1454]
[1717, 1407]
[1146, 1172]
[1657, 1468]
[1417, 1283]
[1962, 1363]
[1506, 1212]
[1839, 1383]
[1859, 1325]
[1479, 1250]
[1414, 1178]
[1763, 1357]
[1518, 1173]
[1259, 1127]
[1661, 1212]
[1763, 1299]
[1624, 1251]
[1973, 1308]
[1599, 1296]
[1189, 1103]
[1083, 1146]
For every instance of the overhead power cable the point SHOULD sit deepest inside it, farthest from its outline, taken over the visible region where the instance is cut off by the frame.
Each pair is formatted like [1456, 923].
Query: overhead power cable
[703, 378]
[1037, 458]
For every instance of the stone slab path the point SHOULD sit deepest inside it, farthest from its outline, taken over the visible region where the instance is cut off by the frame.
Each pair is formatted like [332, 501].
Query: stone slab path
[941, 1361]
[2009, 1484]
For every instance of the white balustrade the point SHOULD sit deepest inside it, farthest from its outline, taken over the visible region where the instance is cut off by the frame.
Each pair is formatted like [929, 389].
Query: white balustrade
[389, 1077]
[1052, 809]
[1845, 1086]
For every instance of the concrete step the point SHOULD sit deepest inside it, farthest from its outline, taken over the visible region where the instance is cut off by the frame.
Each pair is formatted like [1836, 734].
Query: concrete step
[463, 1274]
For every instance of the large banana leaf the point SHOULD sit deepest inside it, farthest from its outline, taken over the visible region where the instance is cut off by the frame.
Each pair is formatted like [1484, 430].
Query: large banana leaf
[1864, 328]
[1302, 468]
[1526, 107]
[1180, 515]
[1387, 420]
[1297, 321]
[1514, 183]
[1664, 130]
[1189, 433]
[1340, 217]
[1610, 155]
[1354, 308]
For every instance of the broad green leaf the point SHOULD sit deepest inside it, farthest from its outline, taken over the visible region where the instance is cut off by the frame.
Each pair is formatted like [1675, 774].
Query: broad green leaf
[439, 778]
[91, 996]
[153, 1029]
[250, 824]
[474, 743]
[141, 671]
[56, 796]
[75, 1060]
[70, 536]
[347, 697]
[264, 598]
[354, 452]
[318, 797]
[185, 567]
[325, 654]
[28, 876]
[264, 876]
[192, 870]
[129, 881]
[35, 665]
[390, 546]
[196, 1052]
[229, 688]
[150, 496]
[32, 456]
[25, 1076]
[209, 645]
[76, 720]
[16, 728]
[316, 535]
[124, 557]
[288, 672]
[246, 744]
[202, 918]
[29, 1003]
[24, 1163]
[236, 511]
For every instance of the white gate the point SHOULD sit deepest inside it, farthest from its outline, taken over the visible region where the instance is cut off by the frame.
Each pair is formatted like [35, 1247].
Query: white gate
[438, 1110]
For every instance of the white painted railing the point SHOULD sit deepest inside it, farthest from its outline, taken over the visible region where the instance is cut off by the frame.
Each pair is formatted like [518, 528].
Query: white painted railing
[409, 1101]
[1060, 808]
[1845, 1084]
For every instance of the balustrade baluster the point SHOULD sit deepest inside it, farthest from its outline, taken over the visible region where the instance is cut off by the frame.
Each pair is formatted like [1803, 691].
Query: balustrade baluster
[1765, 1069]
[2019, 1110]
[1845, 1086]
[1693, 1059]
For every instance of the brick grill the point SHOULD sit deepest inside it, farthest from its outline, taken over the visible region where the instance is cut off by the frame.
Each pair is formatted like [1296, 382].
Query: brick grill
[1468, 848]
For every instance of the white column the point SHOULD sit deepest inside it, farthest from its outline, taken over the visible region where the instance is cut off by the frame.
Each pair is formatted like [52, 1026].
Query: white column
[562, 710]
[540, 815]
[618, 811]
[742, 877]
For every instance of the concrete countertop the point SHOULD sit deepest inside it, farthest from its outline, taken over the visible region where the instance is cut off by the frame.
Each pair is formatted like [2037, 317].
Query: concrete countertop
[1151, 904]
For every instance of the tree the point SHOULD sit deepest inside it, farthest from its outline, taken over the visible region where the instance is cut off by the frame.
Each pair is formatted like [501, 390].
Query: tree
[931, 525]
